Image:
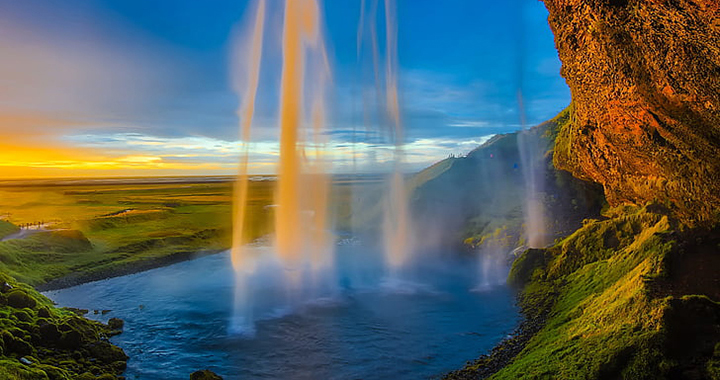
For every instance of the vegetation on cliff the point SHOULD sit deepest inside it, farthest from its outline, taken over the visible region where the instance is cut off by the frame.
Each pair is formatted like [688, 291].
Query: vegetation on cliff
[41, 342]
[617, 299]
[618, 304]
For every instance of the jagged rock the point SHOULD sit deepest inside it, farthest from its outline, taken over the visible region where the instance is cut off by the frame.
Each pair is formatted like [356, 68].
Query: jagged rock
[205, 375]
[116, 323]
[645, 83]
[77, 311]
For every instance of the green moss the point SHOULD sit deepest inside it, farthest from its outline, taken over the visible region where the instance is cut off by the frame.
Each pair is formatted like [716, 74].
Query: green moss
[14, 370]
[523, 267]
[19, 299]
[713, 365]
[603, 322]
[59, 344]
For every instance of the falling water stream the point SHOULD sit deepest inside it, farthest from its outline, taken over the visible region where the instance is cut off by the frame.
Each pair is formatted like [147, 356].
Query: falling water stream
[303, 244]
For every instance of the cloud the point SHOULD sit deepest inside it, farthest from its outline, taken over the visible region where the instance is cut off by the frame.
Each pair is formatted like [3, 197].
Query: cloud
[151, 153]
[469, 124]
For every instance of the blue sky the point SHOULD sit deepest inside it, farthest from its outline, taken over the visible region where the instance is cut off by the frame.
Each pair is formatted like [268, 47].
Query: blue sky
[148, 83]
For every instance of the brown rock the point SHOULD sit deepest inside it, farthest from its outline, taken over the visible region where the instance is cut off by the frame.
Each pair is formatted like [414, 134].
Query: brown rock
[645, 83]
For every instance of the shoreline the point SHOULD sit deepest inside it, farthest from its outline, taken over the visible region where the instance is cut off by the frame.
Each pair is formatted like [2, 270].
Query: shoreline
[75, 279]
[504, 351]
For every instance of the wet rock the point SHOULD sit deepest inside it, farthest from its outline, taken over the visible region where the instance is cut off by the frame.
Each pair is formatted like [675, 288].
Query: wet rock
[77, 311]
[116, 323]
[205, 375]
[107, 353]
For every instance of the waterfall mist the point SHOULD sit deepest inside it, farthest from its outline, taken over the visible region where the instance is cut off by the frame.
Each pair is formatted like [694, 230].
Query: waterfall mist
[302, 259]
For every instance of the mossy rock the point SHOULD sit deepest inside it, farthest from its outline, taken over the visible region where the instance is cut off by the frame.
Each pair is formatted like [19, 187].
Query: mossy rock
[55, 373]
[43, 312]
[116, 323]
[86, 376]
[107, 353]
[19, 299]
[60, 344]
[70, 340]
[205, 375]
[23, 315]
[713, 365]
[18, 347]
[524, 266]
[49, 333]
[12, 369]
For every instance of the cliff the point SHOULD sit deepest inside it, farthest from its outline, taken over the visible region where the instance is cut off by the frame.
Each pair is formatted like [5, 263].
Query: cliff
[633, 294]
[645, 83]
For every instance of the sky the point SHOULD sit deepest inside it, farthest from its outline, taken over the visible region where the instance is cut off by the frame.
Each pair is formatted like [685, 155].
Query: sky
[110, 88]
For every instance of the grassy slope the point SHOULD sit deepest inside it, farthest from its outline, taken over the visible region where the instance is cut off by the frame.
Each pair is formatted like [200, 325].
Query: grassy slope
[7, 228]
[610, 312]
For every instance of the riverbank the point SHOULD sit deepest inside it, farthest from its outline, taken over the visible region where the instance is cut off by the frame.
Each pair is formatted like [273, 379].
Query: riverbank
[137, 267]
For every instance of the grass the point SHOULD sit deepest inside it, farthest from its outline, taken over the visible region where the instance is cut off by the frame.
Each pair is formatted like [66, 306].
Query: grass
[606, 318]
[100, 227]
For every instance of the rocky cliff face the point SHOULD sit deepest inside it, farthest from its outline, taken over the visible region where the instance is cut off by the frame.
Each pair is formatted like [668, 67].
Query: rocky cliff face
[645, 82]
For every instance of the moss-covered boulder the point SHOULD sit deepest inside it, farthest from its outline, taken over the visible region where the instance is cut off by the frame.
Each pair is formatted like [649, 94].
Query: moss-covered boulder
[39, 341]
[18, 298]
[205, 375]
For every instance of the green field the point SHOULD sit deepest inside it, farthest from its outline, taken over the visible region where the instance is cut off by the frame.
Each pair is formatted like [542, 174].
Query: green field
[98, 227]
[94, 227]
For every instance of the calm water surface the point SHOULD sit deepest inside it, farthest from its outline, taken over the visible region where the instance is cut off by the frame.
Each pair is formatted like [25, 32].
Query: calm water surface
[177, 321]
